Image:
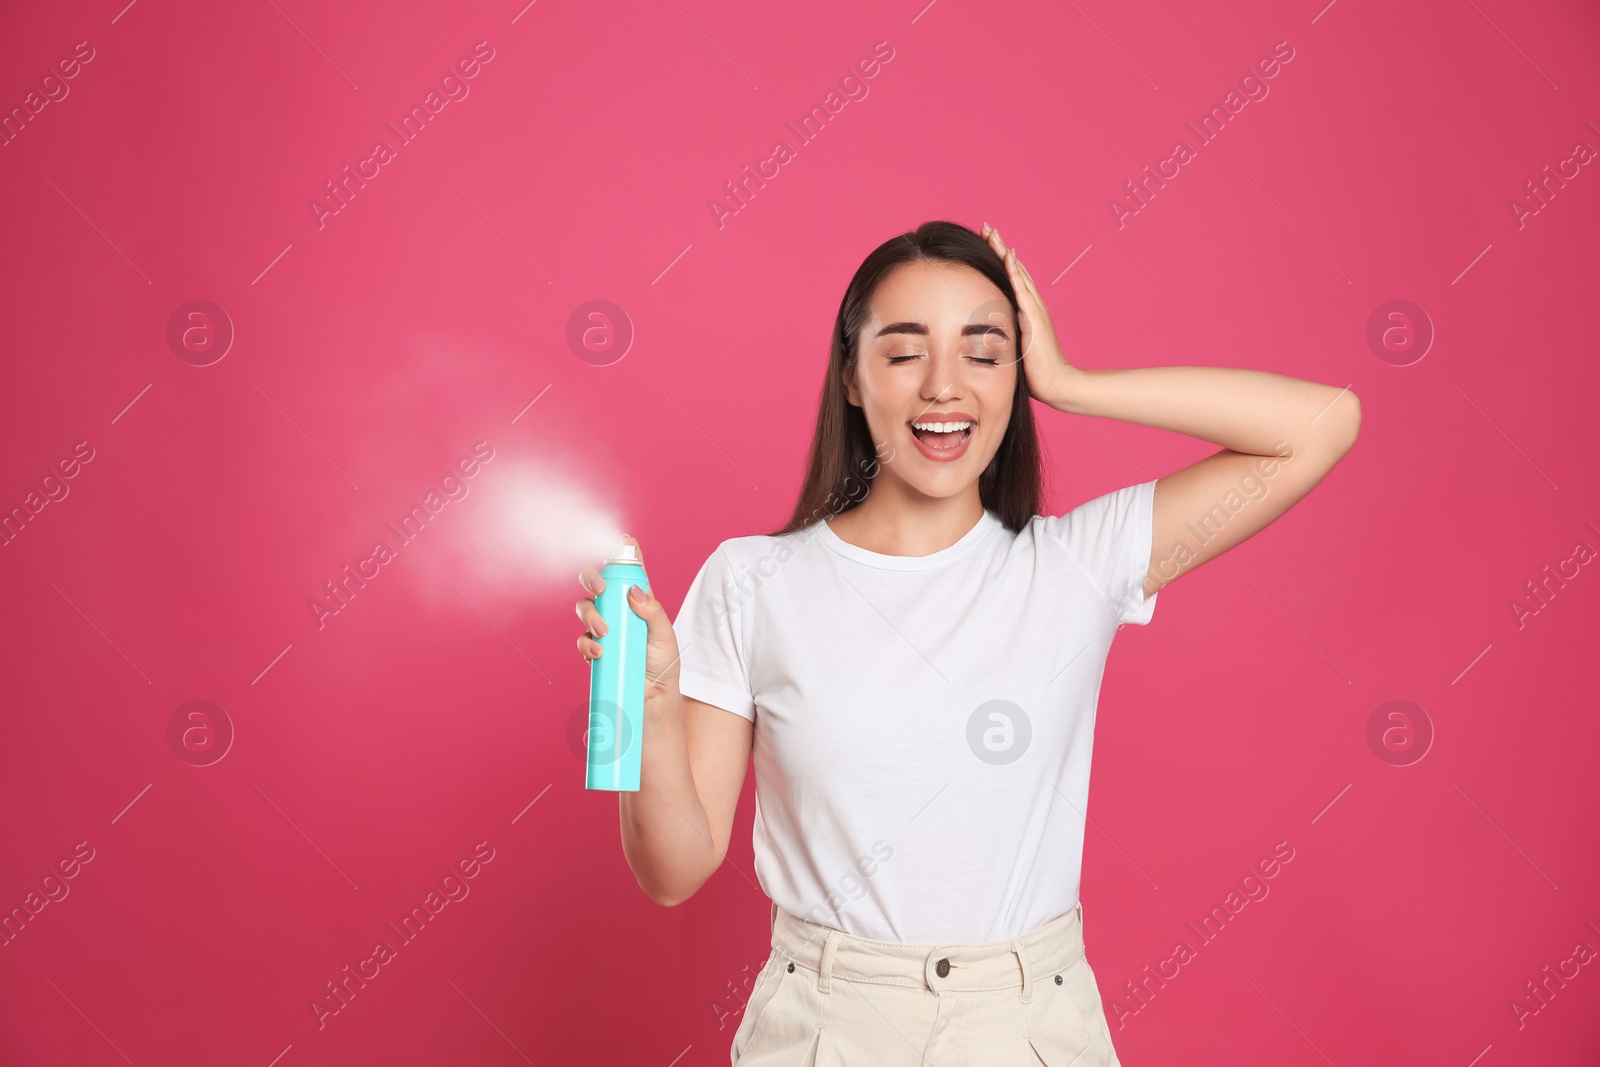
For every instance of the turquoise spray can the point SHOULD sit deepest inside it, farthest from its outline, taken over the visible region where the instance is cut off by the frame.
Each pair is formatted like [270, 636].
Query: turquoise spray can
[617, 679]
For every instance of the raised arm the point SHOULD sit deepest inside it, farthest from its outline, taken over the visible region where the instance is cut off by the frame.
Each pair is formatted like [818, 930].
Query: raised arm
[1280, 436]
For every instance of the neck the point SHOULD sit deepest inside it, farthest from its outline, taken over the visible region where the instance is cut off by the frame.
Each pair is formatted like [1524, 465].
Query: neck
[896, 520]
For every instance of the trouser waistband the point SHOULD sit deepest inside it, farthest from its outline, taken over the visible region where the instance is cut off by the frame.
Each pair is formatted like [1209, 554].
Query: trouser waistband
[1016, 962]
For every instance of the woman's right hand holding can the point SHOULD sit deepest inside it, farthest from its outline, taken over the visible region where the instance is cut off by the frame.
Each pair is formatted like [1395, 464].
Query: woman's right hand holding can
[661, 653]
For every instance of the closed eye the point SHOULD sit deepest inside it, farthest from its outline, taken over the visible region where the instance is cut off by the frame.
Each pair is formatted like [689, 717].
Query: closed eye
[976, 359]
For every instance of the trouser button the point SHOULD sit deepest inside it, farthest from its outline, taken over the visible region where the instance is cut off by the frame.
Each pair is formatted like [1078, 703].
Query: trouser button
[943, 968]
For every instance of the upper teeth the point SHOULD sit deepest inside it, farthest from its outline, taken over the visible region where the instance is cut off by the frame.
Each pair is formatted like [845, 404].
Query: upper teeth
[941, 427]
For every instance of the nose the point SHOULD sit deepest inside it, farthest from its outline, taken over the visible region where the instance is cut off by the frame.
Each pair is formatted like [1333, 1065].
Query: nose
[942, 382]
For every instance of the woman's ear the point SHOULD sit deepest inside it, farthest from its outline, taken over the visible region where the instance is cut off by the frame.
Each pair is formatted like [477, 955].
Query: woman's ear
[851, 392]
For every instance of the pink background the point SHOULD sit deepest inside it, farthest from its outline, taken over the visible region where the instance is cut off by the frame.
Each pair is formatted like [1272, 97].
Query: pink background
[431, 714]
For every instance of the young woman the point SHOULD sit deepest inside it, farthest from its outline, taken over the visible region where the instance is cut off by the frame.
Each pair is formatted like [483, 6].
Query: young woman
[915, 661]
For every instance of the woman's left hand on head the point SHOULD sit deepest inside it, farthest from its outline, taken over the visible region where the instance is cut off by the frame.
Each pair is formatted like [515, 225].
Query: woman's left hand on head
[1046, 368]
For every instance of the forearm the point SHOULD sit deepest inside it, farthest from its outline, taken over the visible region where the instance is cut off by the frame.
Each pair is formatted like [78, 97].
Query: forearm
[666, 835]
[1247, 411]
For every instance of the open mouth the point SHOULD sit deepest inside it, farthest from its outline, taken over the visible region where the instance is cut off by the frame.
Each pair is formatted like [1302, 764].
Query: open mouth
[942, 436]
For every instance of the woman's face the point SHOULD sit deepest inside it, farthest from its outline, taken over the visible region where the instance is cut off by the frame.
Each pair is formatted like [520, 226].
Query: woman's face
[939, 347]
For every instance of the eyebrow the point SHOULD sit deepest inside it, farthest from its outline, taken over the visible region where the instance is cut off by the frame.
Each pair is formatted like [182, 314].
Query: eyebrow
[921, 328]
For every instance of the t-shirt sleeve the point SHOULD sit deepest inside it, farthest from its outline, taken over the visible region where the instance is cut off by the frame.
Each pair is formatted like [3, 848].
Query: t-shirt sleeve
[711, 648]
[1109, 538]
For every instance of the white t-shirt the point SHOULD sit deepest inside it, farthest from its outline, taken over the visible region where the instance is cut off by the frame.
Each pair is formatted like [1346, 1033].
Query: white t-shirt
[923, 724]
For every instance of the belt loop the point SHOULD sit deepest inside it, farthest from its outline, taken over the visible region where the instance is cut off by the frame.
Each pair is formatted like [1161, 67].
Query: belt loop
[825, 968]
[1027, 972]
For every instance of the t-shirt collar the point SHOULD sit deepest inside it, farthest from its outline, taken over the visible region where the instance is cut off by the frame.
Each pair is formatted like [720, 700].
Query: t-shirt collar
[980, 531]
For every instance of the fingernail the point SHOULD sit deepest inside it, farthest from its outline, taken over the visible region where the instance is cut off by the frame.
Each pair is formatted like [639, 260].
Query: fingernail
[636, 594]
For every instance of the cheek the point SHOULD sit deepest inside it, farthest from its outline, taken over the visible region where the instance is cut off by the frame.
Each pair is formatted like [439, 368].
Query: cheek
[884, 396]
[999, 399]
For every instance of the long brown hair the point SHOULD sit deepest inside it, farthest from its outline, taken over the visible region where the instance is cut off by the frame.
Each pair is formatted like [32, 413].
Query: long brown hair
[843, 461]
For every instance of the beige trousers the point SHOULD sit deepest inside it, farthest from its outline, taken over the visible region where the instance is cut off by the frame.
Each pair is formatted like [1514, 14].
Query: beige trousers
[828, 999]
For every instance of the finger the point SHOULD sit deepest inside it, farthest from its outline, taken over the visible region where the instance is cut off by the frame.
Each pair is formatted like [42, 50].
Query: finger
[1019, 281]
[592, 619]
[1019, 284]
[590, 579]
[1022, 280]
[993, 237]
[1027, 277]
[1041, 311]
[642, 603]
[1014, 271]
[589, 647]
[1027, 282]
